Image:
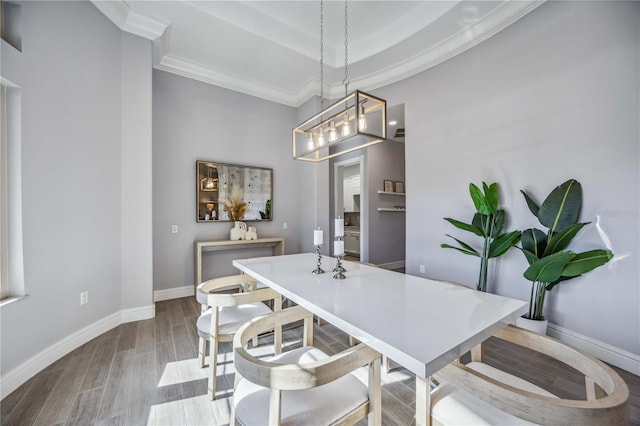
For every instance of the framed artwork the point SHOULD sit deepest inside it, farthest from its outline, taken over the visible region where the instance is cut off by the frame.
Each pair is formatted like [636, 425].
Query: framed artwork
[399, 187]
[388, 186]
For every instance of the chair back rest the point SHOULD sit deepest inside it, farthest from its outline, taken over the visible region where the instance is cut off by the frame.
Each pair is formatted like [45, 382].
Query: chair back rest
[209, 288]
[293, 376]
[611, 409]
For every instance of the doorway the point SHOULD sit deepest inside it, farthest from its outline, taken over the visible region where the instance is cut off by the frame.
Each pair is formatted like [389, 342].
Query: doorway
[351, 205]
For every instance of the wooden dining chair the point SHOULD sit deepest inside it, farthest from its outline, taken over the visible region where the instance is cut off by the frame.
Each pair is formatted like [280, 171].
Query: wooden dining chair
[477, 393]
[227, 303]
[304, 385]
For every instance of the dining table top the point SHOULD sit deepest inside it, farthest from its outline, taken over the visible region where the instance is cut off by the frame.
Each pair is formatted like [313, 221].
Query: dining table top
[420, 323]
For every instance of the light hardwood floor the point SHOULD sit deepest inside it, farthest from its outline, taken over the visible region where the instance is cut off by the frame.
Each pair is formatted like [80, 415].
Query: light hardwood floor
[147, 373]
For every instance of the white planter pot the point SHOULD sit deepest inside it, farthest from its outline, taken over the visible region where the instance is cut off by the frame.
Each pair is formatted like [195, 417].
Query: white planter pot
[537, 326]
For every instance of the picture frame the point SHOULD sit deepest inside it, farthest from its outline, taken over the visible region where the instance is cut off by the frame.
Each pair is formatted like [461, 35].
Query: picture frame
[388, 186]
[399, 187]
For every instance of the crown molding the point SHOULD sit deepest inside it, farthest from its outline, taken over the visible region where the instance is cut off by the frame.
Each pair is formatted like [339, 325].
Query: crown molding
[130, 20]
[226, 80]
[458, 43]
[159, 32]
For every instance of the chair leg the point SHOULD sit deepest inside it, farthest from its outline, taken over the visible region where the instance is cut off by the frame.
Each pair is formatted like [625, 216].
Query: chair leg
[213, 368]
[202, 349]
[375, 394]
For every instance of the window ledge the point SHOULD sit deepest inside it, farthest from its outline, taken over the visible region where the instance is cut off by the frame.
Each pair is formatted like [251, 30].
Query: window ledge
[9, 300]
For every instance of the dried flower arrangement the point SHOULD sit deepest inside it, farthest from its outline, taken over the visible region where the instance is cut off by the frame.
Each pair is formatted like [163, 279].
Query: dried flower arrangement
[234, 204]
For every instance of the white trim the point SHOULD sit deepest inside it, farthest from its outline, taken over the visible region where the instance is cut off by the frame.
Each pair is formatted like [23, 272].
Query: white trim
[131, 20]
[173, 293]
[392, 265]
[603, 351]
[137, 314]
[23, 372]
[227, 80]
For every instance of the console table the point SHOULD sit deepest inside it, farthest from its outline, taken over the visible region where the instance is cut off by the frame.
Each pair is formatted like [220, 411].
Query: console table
[202, 246]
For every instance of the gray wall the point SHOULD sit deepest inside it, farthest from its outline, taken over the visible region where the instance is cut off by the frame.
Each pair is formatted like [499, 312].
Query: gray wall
[387, 234]
[553, 97]
[196, 121]
[72, 170]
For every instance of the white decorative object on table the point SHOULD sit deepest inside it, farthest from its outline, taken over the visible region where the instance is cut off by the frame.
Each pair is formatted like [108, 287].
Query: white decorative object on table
[338, 250]
[239, 231]
[251, 234]
[318, 239]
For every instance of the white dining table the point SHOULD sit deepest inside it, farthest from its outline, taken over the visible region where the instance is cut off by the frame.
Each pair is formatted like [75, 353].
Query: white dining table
[420, 323]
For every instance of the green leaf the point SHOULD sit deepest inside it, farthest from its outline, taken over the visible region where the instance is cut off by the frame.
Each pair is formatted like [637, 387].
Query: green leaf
[556, 282]
[503, 243]
[479, 200]
[534, 241]
[491, 195]
[498, 223]
[464, 226]
[561, 240]
[585, 262]
[531, 258]
[549, 268]
[464, 245]
[481, 221]
[532, 205]
[562, 207]
[459, 249]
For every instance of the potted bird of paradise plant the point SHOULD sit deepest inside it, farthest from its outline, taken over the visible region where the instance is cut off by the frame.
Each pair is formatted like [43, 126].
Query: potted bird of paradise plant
[550, 263]
[487, 223]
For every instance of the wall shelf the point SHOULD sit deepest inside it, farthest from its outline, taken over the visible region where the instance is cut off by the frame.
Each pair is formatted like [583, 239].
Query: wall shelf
[391, 193]
[390, 209]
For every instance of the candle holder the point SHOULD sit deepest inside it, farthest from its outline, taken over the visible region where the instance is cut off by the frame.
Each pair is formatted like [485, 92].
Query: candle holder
[318, 269]
[339, 269]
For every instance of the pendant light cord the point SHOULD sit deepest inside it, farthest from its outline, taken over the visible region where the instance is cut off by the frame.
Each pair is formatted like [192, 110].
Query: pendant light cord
[346, 50]
[321, 55]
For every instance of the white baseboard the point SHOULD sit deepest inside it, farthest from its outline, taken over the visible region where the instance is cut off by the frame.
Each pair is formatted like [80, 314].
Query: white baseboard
[603, 351]
[173, 293]
[138, 314]
[23, 372]
[392, 265]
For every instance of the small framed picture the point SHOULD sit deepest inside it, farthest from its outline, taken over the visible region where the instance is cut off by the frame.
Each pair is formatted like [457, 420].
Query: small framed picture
[388, 186]
[399, 187]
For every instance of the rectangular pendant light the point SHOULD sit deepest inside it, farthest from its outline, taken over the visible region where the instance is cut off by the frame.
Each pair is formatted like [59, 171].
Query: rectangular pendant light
[354, 122]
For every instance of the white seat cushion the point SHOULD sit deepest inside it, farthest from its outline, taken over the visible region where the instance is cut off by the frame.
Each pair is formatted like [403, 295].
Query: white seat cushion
[458, 407]
[232, 317]
[321, 405]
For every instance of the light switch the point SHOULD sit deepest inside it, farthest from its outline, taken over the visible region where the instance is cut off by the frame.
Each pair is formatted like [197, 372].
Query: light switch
[174, 229]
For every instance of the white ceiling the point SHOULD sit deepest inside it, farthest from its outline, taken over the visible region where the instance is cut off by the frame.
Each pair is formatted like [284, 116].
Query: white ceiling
[271, 49]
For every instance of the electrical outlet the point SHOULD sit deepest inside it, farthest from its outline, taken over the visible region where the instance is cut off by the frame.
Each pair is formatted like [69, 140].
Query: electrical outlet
[284, 225]
[422, 269]
[174, 229]
[84, 297]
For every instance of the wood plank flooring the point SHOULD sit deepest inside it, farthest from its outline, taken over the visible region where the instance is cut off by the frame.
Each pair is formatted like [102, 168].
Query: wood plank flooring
[147, 372]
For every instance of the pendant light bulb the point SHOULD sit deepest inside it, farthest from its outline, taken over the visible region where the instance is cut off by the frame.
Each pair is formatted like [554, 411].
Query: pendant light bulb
[310, 143]
[346, 131]
[362, 121]
[332, 132]
[321, 137]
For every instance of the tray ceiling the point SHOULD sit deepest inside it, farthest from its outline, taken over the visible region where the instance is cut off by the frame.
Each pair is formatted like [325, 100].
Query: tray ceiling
[271, 49]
